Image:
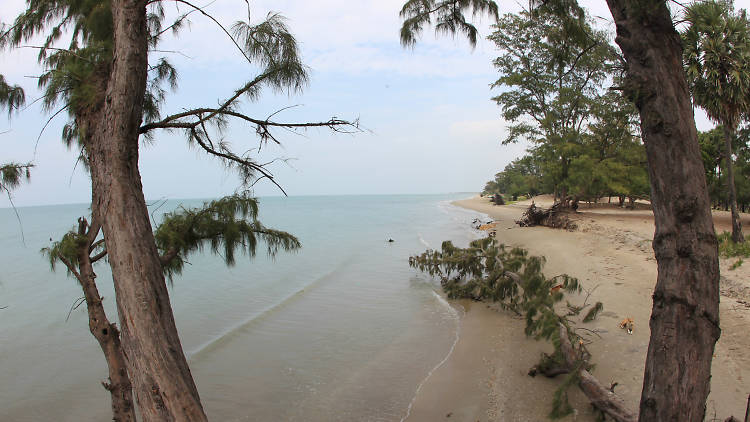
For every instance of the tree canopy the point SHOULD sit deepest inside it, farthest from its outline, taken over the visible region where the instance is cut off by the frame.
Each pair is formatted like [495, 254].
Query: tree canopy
[554, 75]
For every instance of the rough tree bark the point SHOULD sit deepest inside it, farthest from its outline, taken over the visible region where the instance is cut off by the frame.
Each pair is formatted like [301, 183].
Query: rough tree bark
[685, 316]
[736, 223]
[105, 332]
[162, 381]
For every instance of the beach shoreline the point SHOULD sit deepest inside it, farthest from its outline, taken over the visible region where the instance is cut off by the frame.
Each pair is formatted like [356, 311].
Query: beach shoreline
[485, 378]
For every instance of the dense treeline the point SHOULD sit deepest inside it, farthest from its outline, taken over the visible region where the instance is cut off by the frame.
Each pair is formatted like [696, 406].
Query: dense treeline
[607, 169]
[563, 93]
[560, 90]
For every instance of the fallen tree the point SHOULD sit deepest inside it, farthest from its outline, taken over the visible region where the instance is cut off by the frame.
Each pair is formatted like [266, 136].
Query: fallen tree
[489, 271]
[555, 216]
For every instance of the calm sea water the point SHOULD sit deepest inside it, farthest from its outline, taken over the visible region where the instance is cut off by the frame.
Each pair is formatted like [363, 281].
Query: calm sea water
[342, 330]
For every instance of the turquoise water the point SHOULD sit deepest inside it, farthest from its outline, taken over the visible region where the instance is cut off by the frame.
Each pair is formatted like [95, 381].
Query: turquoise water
[341, 330]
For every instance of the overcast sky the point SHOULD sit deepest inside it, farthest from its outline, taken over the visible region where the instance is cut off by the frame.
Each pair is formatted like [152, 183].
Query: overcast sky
[431, 126]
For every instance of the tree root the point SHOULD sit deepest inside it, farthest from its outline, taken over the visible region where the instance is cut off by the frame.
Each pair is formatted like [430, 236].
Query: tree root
[554, 217]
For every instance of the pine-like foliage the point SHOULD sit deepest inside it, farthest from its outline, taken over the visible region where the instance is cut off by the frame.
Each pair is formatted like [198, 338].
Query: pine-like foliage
[447, 15]
[11, 96]
[75, 77]
[226, 225]
[65, 250]
[11, 175]
[490, 271]
[511, 277]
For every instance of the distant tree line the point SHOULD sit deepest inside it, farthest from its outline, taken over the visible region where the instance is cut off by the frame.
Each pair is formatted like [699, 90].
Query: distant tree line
[563, 92]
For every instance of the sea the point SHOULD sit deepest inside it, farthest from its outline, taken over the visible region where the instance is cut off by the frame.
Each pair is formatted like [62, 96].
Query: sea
[341, 330]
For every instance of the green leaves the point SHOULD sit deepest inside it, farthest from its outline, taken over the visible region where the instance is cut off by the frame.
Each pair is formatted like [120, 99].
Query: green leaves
[448, 16]
[227, 226]
[12, 97]
[65, 250]
[274, 48]
[490, 271]
[521, 177]
[553, 67]
[11, 175]
[717, 60]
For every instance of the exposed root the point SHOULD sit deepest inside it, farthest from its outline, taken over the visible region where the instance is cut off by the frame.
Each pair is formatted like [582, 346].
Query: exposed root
[554, 216]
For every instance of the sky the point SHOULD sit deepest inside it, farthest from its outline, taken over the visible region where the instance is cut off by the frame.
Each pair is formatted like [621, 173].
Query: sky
[429, 125]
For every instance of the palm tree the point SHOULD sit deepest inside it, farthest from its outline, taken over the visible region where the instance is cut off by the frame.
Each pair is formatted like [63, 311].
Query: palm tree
[717, 64]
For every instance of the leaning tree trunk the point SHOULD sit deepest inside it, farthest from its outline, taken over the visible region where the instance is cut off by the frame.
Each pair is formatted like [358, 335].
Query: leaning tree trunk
[731, 190]
[104, 331]
[685, 316]
[162, 382]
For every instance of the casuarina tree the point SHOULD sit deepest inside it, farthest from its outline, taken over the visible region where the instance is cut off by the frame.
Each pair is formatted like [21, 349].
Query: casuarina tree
[112, 92]
[685, 316]
[226, 226]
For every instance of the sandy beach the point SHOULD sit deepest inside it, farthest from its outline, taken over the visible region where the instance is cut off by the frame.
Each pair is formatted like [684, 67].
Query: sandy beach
[485, 378]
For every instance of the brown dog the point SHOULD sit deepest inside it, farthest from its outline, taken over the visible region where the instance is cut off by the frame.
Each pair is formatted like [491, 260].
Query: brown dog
[628, 324]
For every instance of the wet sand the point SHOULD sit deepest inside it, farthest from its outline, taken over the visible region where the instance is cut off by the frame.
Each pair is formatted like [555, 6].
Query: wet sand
[485, 378]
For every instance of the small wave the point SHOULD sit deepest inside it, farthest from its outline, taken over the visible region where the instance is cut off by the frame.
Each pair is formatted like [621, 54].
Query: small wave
[229, 333]
[424, 242]
[444, 302]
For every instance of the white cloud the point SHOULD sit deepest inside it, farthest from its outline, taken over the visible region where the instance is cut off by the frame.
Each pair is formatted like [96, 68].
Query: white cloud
[335, 35]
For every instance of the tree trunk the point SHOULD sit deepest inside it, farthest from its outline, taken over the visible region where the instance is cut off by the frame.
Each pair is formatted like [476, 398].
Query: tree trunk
[564, 200]
[685, 316]
[105, 332]
[731, 190]
[162, 382]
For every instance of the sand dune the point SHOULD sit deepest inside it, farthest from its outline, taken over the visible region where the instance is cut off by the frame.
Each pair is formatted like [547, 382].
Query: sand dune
[610, 253]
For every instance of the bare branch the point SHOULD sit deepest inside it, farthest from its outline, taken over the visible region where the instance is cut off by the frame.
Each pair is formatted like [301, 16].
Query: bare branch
[98, 256]
[199, 9]
[41, 132]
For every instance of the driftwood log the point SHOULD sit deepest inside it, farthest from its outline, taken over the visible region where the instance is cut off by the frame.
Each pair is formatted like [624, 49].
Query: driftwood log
[554, 216]
[601, 397]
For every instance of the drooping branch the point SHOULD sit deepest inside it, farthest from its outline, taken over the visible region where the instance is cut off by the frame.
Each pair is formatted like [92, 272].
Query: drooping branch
[246, 166]
[225, 225]
[11, 96]
[11, 174]
[448, 16]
